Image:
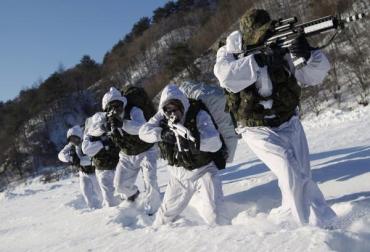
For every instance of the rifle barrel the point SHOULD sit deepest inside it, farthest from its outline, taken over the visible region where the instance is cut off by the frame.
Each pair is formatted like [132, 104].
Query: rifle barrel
[286, 29]
[355, 17]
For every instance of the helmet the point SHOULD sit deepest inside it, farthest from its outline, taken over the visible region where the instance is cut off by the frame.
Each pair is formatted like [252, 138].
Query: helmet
[75, 131]
[113, 95]
[254, 25]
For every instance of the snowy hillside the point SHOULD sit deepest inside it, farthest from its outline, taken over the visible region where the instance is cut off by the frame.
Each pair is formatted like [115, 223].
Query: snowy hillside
[52, 217]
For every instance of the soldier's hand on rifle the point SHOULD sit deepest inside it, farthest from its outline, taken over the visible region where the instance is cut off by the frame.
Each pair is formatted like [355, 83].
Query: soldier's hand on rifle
[168, 136]
[261, 59]
[300, 48]
[271, 57]
[115, 122]
[115, 125]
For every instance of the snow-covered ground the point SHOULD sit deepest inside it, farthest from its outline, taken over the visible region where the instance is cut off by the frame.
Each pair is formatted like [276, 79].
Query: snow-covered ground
[52, 217]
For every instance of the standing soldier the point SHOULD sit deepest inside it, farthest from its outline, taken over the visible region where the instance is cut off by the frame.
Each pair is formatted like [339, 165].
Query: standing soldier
[264, 92]
[125, 116]
[104, 155]
[192, 169]
[72, 154]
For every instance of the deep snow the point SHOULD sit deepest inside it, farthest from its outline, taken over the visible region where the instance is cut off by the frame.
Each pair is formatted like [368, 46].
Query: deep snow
[53, 217]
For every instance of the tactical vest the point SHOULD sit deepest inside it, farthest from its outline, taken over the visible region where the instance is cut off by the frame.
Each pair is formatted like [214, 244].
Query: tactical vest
[130, 144]
[194, 158]
[247, 110]
[87, 169]
[106, 159]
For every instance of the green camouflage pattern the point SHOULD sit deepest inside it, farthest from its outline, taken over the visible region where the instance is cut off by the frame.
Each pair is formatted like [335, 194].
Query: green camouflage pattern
[194, 158]
[136, 97]
[247, 110]
[254, 25]
[106, 159]
[88, 169]
[131, 144]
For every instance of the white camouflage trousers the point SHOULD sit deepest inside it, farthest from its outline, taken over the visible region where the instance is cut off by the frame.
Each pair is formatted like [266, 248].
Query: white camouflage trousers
[285, 151]
[206, 186]
[127, 170]
[90, 189]
[105, 180]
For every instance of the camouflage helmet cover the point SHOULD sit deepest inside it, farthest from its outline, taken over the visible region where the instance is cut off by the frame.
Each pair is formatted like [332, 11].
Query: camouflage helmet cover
[253, 25]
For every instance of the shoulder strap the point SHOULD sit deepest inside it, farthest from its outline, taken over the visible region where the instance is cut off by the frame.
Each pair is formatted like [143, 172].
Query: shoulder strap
[190, 119]
[220, 156]
[128, 111]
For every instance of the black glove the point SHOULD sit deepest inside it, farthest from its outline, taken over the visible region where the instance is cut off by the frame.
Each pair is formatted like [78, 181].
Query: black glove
[168, 136]
[115, 125]
[114, 122]
[189, 146]
[300, 47]
[272, 56]
[261, 59]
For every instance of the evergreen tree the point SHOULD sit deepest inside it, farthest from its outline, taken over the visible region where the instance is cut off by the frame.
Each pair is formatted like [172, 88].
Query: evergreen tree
[185, 5]
[159, 14]
[140, 27]
[181, 57]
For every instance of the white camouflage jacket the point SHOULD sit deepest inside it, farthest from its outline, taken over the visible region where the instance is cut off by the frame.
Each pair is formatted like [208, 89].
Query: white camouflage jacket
[64, 155]
[96, 129]
[237, 74]
[209, 136]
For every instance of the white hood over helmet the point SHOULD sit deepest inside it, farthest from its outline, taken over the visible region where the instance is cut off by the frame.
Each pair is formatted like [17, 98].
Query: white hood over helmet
[172, 92]
[75, 131]
[113, 95]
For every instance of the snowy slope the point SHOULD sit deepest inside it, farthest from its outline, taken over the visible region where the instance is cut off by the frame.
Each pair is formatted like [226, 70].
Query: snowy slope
[52, 217]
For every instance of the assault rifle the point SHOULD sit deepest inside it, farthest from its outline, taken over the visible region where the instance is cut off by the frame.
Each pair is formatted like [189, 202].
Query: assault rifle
[111, 115]
[180, 131]
[73, 154]
[285, 31]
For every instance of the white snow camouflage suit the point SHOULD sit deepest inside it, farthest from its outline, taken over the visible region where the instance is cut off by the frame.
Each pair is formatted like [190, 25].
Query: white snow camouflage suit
[129, 166]
[88, 183]
[91, 148]
[283, 149]
[183, 184]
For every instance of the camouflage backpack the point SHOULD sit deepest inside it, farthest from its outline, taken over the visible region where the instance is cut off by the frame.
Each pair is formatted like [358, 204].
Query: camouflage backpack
[136, 96]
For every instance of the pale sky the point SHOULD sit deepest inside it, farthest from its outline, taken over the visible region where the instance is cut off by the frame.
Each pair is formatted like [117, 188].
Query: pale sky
[38, 36]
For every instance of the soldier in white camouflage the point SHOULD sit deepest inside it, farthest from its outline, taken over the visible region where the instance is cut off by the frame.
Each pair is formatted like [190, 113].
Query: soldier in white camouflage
[263, 91]
[73, 155]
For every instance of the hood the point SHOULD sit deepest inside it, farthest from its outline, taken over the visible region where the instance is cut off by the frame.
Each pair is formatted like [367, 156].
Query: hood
[75, 131]
[254, 25]
[172, 92]
[113, 95]
[234, 42]
[95, 125]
